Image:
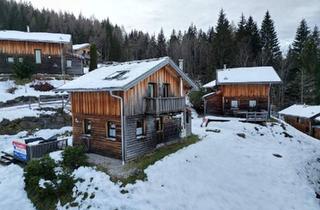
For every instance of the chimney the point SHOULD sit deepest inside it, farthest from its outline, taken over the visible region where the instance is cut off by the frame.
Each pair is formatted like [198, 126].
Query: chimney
[28, 28]
[181, 64]
[224, 66]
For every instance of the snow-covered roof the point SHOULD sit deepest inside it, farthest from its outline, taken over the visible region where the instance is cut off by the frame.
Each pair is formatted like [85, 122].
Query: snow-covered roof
[299, 110]
[210, 84]
[35, 36]
[121, 76]
[80, 46]
[254, 75]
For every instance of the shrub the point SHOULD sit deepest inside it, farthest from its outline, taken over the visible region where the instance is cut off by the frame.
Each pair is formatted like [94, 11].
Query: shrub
[55, 186]
[23, 70]
[196, 100]
[42, 86]
[74, 157]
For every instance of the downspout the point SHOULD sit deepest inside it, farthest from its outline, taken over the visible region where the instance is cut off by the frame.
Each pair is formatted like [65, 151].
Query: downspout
[269, 105]
[122, 126]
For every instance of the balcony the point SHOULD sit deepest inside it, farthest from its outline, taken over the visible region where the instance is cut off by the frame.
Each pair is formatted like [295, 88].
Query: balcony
[163, 105]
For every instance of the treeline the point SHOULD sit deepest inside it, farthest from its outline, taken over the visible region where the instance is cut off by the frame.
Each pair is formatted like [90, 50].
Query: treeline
[245, 44]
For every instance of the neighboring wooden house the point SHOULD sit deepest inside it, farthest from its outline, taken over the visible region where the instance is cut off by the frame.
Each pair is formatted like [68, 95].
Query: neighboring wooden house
[304, 118]
[83, 52]
[49, 52]
[124, 110]
[241, 91]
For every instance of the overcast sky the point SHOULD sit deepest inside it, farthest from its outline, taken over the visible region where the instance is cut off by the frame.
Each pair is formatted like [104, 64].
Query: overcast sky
[151, 15]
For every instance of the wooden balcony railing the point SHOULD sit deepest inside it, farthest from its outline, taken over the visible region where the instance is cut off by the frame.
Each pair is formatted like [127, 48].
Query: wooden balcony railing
[161, 105]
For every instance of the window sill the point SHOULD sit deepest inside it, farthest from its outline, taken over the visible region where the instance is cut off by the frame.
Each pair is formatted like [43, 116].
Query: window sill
[140, 137]
[111, 139]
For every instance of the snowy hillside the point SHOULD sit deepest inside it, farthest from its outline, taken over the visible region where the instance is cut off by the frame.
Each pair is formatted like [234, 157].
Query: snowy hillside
[240, 166]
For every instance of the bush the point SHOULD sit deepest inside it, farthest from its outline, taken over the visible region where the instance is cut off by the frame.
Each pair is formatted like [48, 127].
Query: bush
[74, 157]
[55, 186]
[23, 70]
[196, 100]
[42, 86]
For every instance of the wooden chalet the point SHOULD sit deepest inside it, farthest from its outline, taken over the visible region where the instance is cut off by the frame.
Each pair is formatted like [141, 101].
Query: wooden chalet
[50, 53]
[304, 118]
[241, 92]
[83, 52]
[124, 110]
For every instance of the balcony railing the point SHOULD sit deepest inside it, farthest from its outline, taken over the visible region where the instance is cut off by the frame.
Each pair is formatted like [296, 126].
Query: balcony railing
[162, 105]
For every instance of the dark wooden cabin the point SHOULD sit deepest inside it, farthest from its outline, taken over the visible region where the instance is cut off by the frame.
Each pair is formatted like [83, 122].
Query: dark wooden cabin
[124, 110]
[241, 91]
[50, 53]
[304, 118]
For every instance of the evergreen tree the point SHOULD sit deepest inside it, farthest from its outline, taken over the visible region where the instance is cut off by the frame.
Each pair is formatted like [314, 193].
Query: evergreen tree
[254, 40]
[93, 57]
[302, 35]
[269, 41]
[223, 42]
[161, 44]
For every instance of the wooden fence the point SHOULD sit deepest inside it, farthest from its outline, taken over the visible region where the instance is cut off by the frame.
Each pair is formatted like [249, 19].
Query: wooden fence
[53, 99]
[39, 150]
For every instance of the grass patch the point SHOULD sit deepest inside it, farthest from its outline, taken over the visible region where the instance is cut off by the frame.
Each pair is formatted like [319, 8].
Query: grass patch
[143, 162]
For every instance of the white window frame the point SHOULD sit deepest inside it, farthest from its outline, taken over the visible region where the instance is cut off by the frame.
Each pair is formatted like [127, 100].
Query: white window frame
[234, 104]
[10, 59]
[111, 131]
[37, 55]
[140, 130]
[69, 63]
[252, 103]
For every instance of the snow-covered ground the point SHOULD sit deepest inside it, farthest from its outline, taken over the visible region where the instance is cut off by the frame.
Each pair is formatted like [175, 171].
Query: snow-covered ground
[25, 90]
[223, 171]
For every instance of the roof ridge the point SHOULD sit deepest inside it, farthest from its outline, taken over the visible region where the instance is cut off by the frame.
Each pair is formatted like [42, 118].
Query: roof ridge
[139, 61]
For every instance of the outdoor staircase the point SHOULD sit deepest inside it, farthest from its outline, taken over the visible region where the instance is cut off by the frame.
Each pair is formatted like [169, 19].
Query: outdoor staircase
[6, 158]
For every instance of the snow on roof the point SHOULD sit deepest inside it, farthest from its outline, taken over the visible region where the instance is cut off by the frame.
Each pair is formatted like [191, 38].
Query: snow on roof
[259, 74]
[80, 46]
[210, 84]
[121, 76]
[299, 110]
[35, 36]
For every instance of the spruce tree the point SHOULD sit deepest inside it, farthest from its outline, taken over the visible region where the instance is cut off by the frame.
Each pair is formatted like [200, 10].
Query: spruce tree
[269, 41]
[93, 57]
[254, 40]
[302, 35]
[223, 42]
[161, 44]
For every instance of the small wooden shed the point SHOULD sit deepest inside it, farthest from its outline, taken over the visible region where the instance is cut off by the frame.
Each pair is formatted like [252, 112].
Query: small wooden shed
[304, 118]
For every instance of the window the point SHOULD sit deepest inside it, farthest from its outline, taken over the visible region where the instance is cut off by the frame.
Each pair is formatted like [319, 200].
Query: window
[117, 75]
[87, 126]
[20, 60]
[69, 63]
[159, 124]
[140, 128]
[10, 60]
[38, 56]
[234, 104]
[151, 90]
[165, 90]
[111, 130]
[252, 103]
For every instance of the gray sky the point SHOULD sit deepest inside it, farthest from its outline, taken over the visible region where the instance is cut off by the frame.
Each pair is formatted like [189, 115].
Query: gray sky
[151, 15]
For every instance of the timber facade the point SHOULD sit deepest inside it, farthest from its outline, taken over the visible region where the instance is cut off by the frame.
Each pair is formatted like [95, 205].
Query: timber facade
[46, 56]
[298, 117]
[154, 112]
[235, 95]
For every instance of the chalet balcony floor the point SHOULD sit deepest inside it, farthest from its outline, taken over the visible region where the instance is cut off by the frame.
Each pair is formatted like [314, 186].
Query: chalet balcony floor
[163, 105]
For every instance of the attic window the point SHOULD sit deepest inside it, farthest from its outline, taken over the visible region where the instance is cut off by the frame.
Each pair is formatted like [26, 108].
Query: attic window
[116, 75]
